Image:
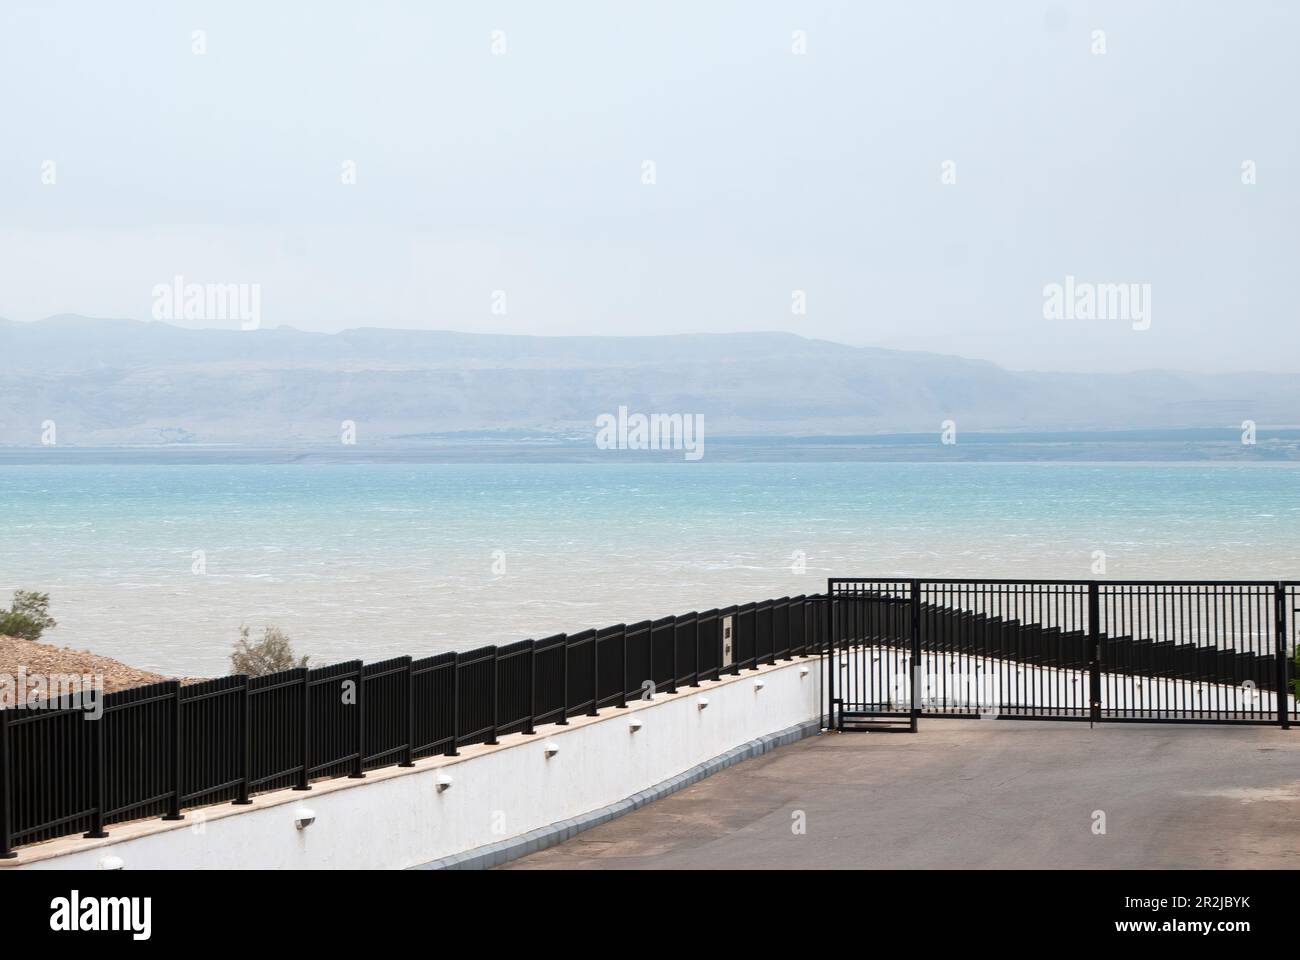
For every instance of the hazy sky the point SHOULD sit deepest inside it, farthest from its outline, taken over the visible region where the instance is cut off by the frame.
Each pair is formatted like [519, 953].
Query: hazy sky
[775, 171]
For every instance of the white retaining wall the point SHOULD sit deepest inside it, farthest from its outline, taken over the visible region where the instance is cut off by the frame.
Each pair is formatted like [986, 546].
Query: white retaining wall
[398, 817]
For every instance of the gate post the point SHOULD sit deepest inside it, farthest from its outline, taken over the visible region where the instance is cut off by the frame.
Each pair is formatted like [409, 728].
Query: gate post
[916, 653]
[1094, 652]
[1279, 648]
[828, 655]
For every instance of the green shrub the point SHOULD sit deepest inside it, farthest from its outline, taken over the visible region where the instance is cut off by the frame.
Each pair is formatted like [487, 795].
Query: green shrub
[271, 654]
[28, 617]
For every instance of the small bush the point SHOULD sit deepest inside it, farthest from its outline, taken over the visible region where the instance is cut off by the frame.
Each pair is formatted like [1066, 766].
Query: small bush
[271, 654]
[28, 617]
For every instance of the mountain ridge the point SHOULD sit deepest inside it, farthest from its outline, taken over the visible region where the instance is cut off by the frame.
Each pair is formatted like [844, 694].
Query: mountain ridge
[131, 381]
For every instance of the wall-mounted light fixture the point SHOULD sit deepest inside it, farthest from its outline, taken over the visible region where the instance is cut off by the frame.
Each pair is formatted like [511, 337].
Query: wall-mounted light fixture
[550, 748]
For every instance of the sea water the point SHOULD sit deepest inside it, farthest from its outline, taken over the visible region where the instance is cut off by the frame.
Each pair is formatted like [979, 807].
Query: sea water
[159, 565]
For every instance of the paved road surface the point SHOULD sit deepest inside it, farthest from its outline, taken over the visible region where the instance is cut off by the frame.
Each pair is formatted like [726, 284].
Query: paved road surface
[976, 793]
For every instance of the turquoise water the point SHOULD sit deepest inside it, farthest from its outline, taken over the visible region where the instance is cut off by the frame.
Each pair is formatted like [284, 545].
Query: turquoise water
[373, 560]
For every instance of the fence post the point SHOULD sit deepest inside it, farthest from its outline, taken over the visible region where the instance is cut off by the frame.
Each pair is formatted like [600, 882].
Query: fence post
[174, 804]
[916, 653]
[735, 642]
[717, 648]
[1279, 644]
[622, 689]
[532, 688]
[6, 798]
[245, 745]
[595, 674]
[96, 831]
[672, 684]
[305, 777]
[564, 707]
[496, 685]
[695, 674]
[408, 755]
[452, 747]
[359, 768]
[1094, 652]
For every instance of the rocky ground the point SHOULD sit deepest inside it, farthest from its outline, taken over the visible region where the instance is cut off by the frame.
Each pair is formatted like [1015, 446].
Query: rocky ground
[47, 658]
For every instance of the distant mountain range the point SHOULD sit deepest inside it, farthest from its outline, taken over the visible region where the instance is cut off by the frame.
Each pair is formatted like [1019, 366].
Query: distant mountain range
[107, 382]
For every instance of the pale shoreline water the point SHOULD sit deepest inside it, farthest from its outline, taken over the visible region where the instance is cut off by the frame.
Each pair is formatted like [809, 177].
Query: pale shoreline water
[373, 560]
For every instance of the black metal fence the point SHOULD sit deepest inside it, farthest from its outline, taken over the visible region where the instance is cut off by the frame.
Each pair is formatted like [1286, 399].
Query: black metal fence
[1081, 650]
[160, 748]
[1170, 651]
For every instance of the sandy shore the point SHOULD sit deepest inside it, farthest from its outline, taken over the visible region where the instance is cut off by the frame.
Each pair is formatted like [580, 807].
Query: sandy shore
[47, 658]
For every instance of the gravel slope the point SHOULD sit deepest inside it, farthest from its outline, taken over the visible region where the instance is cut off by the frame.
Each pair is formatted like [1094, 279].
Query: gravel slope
[46, 658]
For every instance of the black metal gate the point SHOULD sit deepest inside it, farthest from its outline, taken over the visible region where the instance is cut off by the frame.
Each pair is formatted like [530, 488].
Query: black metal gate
[1153, 651]
[873, 665]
